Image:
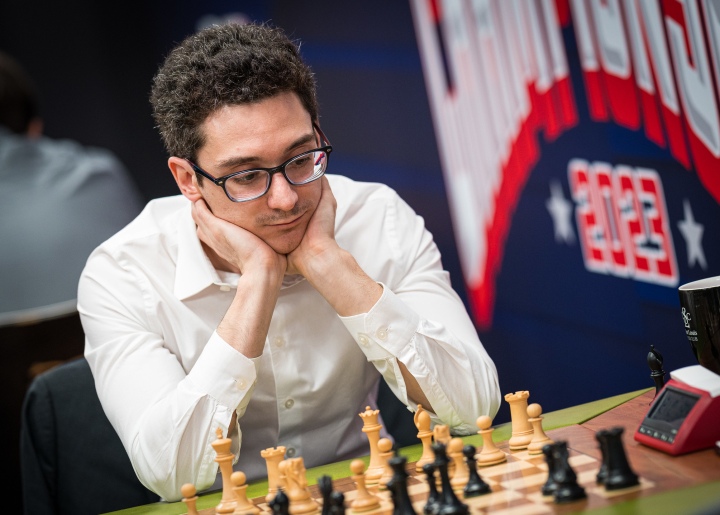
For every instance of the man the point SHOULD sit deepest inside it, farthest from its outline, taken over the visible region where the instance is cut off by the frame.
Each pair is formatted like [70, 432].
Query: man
[269, 299]
[58, 200]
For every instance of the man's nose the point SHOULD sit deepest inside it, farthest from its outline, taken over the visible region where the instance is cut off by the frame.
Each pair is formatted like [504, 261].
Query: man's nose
[282, 194]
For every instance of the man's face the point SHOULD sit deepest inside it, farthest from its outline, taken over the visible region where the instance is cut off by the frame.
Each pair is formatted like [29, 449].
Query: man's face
[261, 135]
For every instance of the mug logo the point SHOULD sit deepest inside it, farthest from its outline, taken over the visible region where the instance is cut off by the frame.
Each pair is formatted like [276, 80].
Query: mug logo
[686, 317]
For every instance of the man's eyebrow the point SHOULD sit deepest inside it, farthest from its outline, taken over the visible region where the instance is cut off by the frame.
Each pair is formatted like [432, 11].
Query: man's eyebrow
[238, 161]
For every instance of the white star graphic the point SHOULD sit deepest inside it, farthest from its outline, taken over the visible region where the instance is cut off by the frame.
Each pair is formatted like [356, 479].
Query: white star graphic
[560, 210]
[692, 232]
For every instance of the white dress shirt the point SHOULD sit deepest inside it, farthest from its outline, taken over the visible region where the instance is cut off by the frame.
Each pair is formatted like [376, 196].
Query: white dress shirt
[150, 302]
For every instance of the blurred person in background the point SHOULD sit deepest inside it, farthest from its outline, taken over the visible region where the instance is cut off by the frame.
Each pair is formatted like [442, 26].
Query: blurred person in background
[58, 199]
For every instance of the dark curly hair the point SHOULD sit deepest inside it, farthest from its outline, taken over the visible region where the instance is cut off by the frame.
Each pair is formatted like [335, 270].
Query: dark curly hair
[225, 65]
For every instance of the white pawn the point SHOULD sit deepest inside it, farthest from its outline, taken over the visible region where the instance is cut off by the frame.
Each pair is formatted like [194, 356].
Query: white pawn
[364, 501]
[490, 454]
[386, 452]
[462, 472]
[539, 439]
[244, 505]
[189, 497]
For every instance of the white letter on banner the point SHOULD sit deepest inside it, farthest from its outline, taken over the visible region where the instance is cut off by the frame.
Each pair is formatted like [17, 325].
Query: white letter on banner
[693, 77]
[611, 38]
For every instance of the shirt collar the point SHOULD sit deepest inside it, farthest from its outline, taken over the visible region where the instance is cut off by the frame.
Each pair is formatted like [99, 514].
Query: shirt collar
[194, 270]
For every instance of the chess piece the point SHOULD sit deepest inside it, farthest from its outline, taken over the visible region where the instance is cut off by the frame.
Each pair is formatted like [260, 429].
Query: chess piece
[280, 503]
[364, 500]
[441, 434]
[461, 474]
[425, 435]
[449, 503]
[489, 454]
[273, 456]
[655, 362]
[325, 487]
[521, 429]
[337, 503]
[385, 448]
[402, 505]
[475, 485]
[568, 489]
[224, 458]
[189, 497]
[371, 427]
[619, 474]
[301, 502]
[602, 471]
[432, 504]
[548, 489]
[243, 504]
[539, 438]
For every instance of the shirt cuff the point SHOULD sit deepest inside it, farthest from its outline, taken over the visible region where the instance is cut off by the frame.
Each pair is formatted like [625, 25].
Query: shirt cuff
[387, 330]
[225, 374]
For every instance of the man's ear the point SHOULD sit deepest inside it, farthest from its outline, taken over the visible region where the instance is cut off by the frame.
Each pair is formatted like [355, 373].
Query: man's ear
[185, 178]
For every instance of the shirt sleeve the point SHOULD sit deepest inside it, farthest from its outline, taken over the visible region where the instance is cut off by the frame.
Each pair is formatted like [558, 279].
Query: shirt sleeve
[170, 417]
[421, 321]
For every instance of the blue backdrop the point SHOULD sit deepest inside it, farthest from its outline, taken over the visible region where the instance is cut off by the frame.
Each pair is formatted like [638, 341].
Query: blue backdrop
[566, 334]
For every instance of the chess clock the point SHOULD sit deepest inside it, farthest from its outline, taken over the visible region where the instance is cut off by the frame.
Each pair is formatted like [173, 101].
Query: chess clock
[681, 419]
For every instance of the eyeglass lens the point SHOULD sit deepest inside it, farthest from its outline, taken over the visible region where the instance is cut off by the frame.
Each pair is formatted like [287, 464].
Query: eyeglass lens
[300, 170]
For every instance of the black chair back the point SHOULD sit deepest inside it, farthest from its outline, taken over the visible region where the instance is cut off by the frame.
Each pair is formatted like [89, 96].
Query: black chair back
[72, 460]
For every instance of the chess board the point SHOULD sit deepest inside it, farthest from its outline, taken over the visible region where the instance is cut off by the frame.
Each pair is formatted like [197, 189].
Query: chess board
[516, 488]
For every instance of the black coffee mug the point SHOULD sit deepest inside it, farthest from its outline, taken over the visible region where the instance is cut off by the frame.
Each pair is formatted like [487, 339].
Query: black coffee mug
[700, 309]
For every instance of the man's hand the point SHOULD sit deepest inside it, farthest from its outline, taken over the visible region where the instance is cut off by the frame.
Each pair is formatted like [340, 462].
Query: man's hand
[246, 322]
[238, 249]
[319, 236]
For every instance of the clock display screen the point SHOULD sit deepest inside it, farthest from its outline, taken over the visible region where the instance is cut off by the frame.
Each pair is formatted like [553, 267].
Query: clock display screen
[672, 407]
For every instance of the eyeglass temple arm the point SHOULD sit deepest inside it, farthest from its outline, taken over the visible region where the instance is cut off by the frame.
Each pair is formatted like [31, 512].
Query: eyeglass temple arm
[322, 134]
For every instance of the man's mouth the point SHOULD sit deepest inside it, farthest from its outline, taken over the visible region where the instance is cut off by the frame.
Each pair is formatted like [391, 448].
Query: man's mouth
[287, 221]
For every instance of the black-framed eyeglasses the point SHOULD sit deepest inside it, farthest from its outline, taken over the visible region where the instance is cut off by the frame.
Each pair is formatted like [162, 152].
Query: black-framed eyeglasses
[248, 185]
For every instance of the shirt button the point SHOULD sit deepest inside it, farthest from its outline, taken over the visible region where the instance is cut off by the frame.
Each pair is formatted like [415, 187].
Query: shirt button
[279, 342]
[382, 333]
[241, 384]
[224, 287]
[363, 339]
[289, 403]
[290, 452]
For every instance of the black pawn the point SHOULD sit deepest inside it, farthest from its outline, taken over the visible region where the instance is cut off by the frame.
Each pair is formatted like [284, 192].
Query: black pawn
[550, 485]
[432, 506]
[402, 505]
[280, 504]
[655, 362]
[326, 487]
[568, 489]
[475, 485]
[449, 503]
[619, 474]
[337, 503]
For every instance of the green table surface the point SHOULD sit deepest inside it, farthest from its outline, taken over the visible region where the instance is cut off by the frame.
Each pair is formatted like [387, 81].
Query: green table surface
[683, 501]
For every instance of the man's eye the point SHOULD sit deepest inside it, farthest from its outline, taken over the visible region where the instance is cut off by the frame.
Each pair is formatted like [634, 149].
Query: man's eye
[247, 178]
[302, 161]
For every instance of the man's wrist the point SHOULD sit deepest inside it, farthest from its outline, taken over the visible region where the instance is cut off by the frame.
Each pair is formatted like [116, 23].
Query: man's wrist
[339, 279]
